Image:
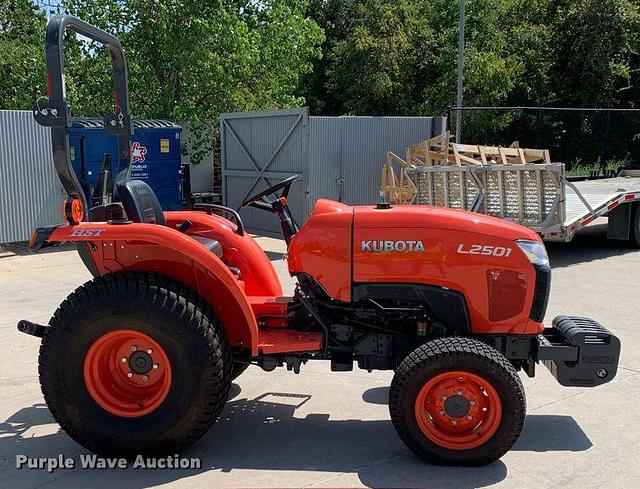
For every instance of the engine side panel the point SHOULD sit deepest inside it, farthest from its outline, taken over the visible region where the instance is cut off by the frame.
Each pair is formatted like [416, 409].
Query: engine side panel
[467, 255]
[322, 248]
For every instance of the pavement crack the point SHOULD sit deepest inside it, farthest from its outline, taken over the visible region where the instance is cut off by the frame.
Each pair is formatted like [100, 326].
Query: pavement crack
[629, 369]
[558, 400]
[355, 469]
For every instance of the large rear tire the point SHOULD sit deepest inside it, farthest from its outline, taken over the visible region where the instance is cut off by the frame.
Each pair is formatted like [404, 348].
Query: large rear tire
[457, 401]
[135, 363]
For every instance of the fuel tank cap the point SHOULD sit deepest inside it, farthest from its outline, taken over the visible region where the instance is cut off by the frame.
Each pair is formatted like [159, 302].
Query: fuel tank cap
[383, 205]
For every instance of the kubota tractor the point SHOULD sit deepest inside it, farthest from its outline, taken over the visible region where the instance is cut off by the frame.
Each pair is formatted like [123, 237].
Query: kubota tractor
[140, 359]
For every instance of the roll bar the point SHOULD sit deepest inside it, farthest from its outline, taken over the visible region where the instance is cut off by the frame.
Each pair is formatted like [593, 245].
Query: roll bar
[56, 111]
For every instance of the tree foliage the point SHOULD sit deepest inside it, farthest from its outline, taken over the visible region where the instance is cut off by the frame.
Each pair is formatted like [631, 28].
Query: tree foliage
[22, 48]
[399, 57]
[188, 60]
[191, 60]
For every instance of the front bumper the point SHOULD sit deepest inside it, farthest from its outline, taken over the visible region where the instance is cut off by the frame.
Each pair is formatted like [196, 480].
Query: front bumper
[579, 352]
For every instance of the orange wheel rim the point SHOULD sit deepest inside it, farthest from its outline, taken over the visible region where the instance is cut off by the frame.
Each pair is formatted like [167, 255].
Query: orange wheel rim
[458, 410]
[127, 373]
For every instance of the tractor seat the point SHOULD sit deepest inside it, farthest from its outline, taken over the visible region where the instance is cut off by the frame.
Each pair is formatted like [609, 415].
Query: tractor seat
[141, 205]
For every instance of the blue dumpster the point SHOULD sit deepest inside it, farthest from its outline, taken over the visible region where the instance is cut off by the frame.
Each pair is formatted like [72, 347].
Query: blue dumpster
[155, 156]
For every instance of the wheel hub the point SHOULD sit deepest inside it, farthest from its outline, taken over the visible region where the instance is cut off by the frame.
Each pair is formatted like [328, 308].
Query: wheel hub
[127, 373]
[457, 406]
[140, 362]
[458, 410]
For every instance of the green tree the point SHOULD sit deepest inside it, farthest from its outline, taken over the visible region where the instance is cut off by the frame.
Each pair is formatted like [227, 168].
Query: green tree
[399, 57]
[22, 62]
[190, 60]
[596, 46]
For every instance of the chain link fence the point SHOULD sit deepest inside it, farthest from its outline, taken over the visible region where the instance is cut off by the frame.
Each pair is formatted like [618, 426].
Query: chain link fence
[589, 141]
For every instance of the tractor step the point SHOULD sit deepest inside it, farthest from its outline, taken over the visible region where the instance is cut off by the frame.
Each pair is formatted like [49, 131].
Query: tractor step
[287, 341]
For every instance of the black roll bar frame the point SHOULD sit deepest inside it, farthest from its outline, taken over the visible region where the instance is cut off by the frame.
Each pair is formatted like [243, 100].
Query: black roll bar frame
[56, 111]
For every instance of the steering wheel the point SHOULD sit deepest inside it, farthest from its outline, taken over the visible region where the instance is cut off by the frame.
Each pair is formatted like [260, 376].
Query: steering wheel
[259, 200]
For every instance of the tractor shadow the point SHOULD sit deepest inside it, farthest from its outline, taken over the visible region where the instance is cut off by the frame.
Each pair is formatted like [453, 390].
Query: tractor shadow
[265, 435]
[590, 244]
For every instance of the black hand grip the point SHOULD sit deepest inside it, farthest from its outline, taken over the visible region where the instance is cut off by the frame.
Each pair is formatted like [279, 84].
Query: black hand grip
[235, 217]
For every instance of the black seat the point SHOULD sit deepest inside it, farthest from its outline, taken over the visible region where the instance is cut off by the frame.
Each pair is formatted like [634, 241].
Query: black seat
[141, 205]
[139, 202]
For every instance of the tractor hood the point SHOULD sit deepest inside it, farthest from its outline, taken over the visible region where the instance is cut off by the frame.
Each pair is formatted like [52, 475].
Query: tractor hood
[422, 216]
[443, 219]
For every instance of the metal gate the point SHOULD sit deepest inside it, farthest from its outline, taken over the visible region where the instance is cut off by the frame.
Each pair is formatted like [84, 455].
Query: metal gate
[258, 149]
[338, 158]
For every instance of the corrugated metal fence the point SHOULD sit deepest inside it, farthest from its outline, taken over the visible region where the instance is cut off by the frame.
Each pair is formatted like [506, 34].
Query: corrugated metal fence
[339, 158]
[30, 192]
[346, 154]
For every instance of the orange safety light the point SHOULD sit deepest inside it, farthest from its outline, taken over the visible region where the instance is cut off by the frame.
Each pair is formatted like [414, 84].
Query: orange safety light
[73, 211]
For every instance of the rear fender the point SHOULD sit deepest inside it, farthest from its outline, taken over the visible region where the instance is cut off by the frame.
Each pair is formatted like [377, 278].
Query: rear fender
[160, 249]
[240, 250]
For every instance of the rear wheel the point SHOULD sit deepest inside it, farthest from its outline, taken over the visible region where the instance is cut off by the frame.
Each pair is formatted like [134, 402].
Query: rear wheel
[134, 363]
[457, 401]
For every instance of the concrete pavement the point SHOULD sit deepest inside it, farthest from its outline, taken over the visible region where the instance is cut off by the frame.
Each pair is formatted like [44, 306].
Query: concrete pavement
[323, 429]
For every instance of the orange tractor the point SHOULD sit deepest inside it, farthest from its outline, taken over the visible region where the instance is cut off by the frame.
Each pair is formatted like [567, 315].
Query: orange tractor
[140, 359]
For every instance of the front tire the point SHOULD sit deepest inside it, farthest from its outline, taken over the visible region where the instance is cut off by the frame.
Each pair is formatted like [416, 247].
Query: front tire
[457, 401]
[135, 363]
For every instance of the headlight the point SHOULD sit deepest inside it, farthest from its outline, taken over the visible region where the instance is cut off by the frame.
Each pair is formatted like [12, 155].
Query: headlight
[535, 251]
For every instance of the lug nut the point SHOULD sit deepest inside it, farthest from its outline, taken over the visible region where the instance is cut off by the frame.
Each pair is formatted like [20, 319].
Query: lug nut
[444, 398]
[145, 378]
[149, 351]
[442, 412]
[133, 348]
[123, 359]
[129, 375]
[469, 417]
[454, 422]
[472, 402]
[156, 366]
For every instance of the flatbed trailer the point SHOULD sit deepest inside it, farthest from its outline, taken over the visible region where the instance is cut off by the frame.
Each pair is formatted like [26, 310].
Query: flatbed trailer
[538, 196]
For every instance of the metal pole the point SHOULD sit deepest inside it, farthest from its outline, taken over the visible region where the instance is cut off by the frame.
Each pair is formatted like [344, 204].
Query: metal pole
[538, 128]
[460, 73]
[603, 163]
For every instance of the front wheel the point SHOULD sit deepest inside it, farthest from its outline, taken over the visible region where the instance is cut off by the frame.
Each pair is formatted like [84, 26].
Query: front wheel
[134, 363]
[457, 401]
